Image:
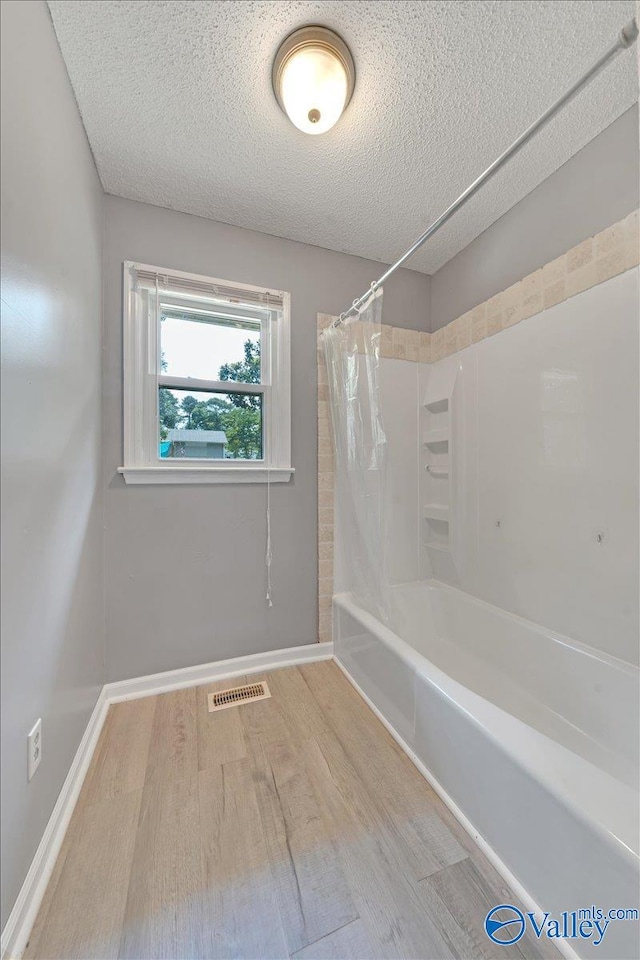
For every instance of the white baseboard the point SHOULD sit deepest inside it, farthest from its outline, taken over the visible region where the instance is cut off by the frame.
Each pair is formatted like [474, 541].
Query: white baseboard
[219, 670]
[563, 946]
[17, 929]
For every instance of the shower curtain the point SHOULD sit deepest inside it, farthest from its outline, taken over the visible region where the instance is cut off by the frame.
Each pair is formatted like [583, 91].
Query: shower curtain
[352, 354]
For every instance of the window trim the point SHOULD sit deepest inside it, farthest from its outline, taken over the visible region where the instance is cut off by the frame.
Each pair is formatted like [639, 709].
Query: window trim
[142, 379]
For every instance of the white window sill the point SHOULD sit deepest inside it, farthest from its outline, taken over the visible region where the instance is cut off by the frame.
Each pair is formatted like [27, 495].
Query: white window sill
[188, 474]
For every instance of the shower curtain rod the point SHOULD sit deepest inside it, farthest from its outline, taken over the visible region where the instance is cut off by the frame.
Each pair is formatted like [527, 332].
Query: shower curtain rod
[627, 37]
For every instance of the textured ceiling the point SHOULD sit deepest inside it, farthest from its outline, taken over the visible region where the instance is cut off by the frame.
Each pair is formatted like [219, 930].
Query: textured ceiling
[177, 102]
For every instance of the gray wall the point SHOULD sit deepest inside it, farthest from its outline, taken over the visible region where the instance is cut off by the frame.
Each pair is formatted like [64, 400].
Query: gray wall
[597, 187]
[185, 576]
[52, 573]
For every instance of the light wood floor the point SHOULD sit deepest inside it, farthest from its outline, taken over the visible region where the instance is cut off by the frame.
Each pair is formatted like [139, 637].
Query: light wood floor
[289, 827]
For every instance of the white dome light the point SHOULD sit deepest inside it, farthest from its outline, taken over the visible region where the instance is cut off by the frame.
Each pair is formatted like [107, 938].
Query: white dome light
[313, 78]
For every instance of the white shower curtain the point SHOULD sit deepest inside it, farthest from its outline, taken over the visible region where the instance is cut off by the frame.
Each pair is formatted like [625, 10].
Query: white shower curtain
[352, 353]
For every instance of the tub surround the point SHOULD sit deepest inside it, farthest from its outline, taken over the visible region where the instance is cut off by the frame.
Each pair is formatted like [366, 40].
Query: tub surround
[594, 261]
[542, 493]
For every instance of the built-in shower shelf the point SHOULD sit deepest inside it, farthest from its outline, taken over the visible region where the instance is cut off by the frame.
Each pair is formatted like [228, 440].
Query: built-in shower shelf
[434, 511]
[438, 547]
[435, 436]
[438, 469]
[437, 504]
[437, 404]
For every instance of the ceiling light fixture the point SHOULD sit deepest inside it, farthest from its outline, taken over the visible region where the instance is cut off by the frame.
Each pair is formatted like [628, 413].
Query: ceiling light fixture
[313, 78]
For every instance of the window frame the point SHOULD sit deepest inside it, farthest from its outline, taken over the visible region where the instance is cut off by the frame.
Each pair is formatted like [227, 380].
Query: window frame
[143, 378]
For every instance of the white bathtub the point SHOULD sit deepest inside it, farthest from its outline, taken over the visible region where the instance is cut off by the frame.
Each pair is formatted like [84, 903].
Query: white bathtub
[532, 736]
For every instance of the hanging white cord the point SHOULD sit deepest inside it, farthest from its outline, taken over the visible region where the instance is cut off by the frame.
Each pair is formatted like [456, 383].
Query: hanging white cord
[269, 553]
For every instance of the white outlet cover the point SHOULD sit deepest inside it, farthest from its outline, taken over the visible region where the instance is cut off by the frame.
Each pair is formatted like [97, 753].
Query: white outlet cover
[34, 748]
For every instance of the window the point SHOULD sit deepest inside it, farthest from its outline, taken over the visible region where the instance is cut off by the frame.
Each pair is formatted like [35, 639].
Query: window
[206, 379]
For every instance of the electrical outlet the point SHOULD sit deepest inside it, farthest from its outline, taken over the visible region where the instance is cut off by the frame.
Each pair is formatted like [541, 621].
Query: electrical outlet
[34, 746]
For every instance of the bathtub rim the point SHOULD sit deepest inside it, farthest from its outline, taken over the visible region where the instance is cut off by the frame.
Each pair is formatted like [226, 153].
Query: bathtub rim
[625, 666]
[613, 814]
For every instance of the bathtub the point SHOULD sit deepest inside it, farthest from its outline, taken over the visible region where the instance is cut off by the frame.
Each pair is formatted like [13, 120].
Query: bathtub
[530, 737]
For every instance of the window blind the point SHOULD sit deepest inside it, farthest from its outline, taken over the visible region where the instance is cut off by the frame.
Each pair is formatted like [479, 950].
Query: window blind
[273, 299]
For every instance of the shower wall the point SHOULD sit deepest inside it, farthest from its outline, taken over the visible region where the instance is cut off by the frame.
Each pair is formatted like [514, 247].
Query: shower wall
[525, 412]
[543, 451]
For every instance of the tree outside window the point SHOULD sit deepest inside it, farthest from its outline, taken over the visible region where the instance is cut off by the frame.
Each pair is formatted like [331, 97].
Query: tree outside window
[239, 415]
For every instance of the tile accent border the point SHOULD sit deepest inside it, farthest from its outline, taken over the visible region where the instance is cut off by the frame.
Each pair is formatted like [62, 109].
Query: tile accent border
[594, 260]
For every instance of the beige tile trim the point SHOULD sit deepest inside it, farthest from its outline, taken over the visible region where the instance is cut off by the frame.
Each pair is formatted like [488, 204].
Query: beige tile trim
[609, 253]
[591, 262]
